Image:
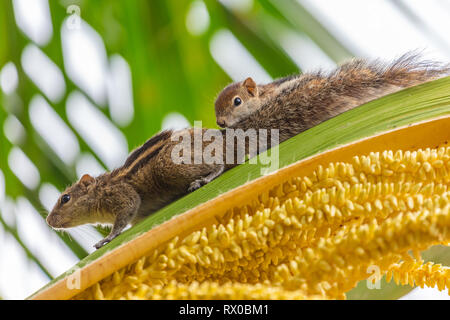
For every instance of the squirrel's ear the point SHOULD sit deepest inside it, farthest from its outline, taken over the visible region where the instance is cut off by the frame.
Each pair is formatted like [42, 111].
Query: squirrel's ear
[86, 179]
[250, 85]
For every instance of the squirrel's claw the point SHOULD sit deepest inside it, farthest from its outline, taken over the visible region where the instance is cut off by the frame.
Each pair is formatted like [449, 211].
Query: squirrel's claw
[101, 243]
[196, 184]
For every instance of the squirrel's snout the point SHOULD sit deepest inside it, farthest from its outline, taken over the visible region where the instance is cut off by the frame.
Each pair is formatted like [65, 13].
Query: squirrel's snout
[50, 220]
[221, 123]
[53, 220]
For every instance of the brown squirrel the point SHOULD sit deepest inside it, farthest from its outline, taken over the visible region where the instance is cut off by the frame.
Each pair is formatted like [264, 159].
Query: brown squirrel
[296, 103]
[148, 181]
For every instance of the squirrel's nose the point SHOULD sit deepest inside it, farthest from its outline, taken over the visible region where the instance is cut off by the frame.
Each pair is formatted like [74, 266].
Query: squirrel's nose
[52, 220]
[221, 123]
[49, 220]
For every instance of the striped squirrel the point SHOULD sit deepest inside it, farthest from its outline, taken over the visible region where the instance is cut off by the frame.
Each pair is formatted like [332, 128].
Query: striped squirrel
[148, 181]
[296, 103]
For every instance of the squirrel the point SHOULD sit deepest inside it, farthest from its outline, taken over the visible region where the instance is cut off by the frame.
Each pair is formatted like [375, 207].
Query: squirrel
[296, 103]
[148, 181]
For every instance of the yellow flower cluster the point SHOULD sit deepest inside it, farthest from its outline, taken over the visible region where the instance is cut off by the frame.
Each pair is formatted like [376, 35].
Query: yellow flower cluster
[310, 237]
[420, 274]
[209, 290]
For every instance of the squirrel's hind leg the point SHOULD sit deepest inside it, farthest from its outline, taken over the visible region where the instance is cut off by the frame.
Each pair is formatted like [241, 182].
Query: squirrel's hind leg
[218, 170]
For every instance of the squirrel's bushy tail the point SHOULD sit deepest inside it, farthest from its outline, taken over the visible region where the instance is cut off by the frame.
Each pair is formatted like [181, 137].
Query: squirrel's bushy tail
[359, 81]
[408, 70]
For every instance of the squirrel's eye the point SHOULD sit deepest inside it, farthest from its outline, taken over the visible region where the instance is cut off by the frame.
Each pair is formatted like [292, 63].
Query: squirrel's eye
[65, 198]
[237, 101]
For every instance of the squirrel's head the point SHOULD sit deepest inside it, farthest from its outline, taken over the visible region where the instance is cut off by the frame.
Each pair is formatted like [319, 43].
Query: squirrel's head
[74, 206]
[236, 102]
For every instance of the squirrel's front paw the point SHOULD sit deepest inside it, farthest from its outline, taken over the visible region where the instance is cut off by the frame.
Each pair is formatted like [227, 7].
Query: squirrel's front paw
[101, 243]
[196, 184]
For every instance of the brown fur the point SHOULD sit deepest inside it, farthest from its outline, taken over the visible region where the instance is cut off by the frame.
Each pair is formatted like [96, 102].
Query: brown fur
[148, 181]
[297, 103]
